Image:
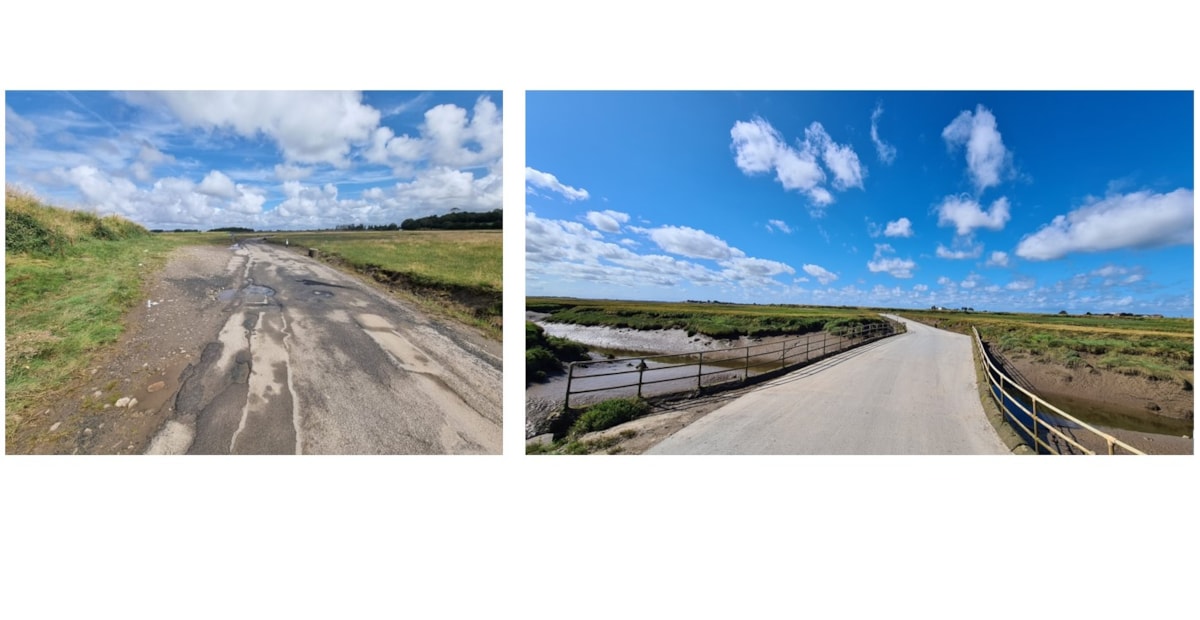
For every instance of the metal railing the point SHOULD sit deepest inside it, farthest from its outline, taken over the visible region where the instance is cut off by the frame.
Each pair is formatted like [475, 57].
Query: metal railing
[1039, 423]
[662, 375]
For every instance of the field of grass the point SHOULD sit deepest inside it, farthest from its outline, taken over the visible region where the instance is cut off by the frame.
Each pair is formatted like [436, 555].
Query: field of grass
[714, 320]
[69, 278]
[1156, 348]
[455, 272]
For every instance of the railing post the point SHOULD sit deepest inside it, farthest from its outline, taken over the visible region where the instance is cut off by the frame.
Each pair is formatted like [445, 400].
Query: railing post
[1036, 444]
[782, 353]
[641, 371]
[700, 372]
[747, 369]
[570, 375]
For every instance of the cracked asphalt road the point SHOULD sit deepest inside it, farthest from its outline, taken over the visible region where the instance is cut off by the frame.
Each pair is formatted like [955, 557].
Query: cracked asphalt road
[311, 361]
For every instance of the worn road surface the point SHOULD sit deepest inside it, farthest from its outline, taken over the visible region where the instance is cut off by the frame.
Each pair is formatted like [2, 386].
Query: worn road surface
[914, 393]
[310, 361]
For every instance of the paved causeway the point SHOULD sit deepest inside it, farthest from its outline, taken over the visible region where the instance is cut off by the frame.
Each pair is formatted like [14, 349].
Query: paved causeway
[914, 393]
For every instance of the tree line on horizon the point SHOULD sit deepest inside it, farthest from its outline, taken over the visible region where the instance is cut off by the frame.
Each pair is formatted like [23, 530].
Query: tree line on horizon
[455, 220]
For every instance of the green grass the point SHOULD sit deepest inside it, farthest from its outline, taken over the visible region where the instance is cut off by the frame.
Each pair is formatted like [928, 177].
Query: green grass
[546, 354]
[1156, 348]
[67, 287]
[459, 273]
[713, 320]
[608, 414]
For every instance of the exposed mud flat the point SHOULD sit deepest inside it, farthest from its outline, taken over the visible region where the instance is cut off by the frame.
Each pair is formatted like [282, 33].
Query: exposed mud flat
[1153, 416]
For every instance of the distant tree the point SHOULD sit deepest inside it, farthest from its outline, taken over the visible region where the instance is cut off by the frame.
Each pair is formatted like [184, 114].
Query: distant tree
[1062, 312]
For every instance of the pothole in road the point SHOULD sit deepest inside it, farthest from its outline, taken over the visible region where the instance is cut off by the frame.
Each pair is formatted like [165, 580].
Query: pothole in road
[252, 290]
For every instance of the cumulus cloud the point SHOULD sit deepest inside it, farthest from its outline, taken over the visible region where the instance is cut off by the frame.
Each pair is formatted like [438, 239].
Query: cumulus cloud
[1021, 284]
[1139, 220]
[962, 251]
[987, 158]
[780, 225]
[896, 267]
[309, 127]
[920, 288]
[563, 251]
[759, 148]
[899, 228]
[217, 184]
[545, 180]
[998, 259]
[840, 159]
[607, 221]
[886, 152]
[824, 276]
[965, 214]
[692, 243]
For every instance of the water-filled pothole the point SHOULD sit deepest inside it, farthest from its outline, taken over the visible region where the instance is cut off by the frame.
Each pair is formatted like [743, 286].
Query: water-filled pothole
[252, 290]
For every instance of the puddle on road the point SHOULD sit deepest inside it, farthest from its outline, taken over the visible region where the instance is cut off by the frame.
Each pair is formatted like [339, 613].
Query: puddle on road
[253, 290]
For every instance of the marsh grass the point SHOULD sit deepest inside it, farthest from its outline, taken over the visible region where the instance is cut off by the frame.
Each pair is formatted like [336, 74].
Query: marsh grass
[724, 321]
[1161, 349]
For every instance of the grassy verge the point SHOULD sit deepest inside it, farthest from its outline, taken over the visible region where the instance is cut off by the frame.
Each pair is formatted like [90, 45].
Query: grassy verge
[709, 319]
[454, 273]
[69, 277]
[1159, 349]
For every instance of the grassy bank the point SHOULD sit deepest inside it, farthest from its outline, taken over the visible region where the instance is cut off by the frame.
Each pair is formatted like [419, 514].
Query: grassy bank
[459, 273]
[70, 277]
[546, 354]
[1155, 348]
[713, 320]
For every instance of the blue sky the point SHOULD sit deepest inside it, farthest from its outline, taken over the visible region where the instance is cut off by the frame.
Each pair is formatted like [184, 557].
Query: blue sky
[262, 159]
[1014, 201]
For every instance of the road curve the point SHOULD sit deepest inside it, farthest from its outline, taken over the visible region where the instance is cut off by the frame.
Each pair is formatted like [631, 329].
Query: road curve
[311, 361]
[914, 393]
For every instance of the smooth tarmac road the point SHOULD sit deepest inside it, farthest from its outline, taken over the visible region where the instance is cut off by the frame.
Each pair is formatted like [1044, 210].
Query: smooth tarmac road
[914, 393]
[311, 361]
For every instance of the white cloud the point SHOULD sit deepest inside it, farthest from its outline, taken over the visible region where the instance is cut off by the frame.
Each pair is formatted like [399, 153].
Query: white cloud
[899, 228]
[920, 288]
[1021, 284]
[780, 225]
[1139, 220]
[886, 152]
[998, 259]
[217, 184]
[309, 127]
[987, 158]
[962, 253]
[759, 148]
[288, 172]
[896, 267]
[570, 252]
[966, 214]
[824, 276]
[840, 159]
[971, 281]
[692, 243]
[607, 221]
[944, 281]
[451, 134]
[17, 130]
[545, 180]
